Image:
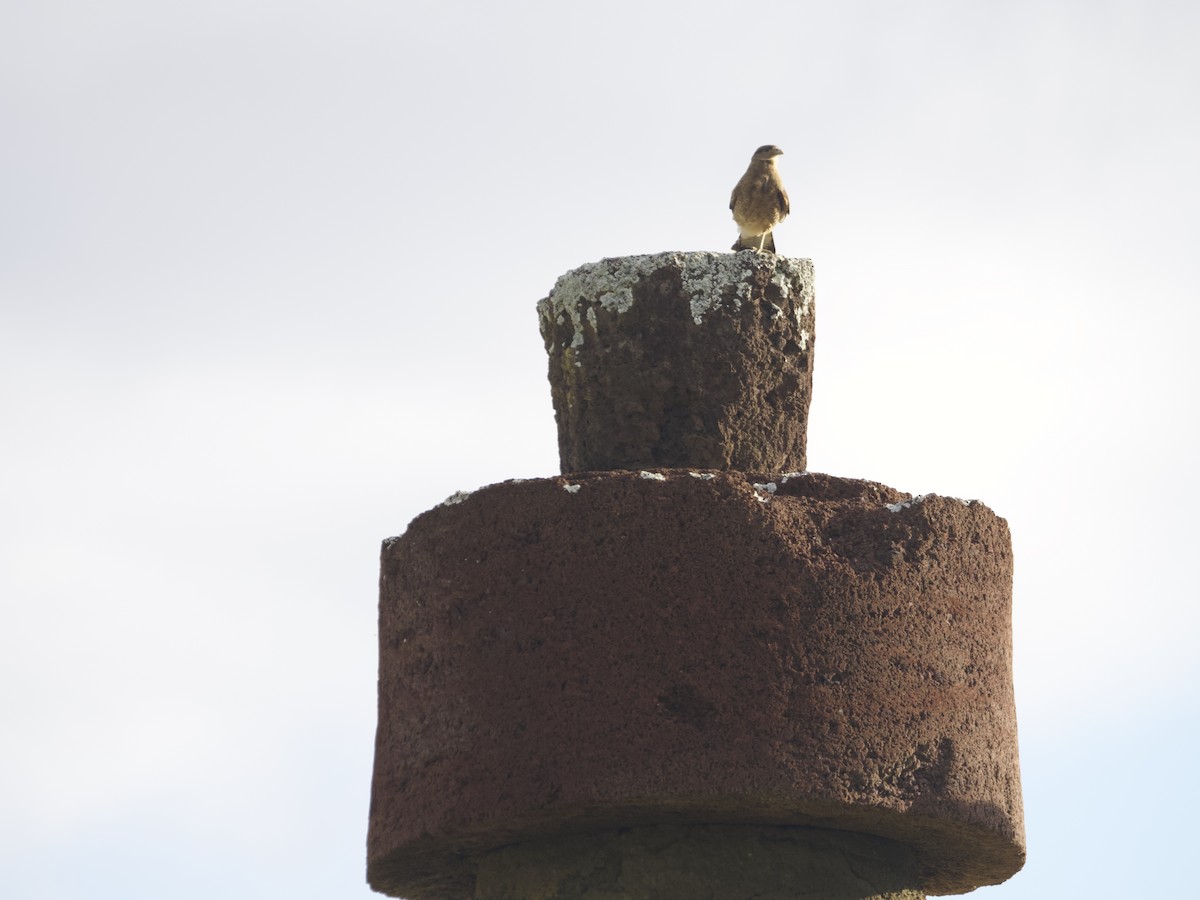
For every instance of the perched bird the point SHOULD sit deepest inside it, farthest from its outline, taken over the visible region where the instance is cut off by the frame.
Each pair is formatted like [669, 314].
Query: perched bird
[759, 202]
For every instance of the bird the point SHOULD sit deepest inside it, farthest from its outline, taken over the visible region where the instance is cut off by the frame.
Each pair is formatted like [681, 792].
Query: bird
[759, 202]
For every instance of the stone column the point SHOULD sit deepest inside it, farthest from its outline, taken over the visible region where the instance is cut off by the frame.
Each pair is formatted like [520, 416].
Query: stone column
[686, 668]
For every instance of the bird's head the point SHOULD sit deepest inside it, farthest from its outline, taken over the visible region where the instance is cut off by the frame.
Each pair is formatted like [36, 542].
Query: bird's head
[767, 152]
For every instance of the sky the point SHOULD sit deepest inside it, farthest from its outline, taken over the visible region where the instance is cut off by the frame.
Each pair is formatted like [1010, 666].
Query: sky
[268, 276]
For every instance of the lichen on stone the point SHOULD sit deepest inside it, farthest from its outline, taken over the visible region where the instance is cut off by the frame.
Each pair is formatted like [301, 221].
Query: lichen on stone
[709, 280]
[712, 279]
[921, 498]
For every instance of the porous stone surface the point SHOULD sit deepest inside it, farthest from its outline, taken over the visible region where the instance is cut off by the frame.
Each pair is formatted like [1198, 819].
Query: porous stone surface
[714, 862]
[614, 650]
[682, 359]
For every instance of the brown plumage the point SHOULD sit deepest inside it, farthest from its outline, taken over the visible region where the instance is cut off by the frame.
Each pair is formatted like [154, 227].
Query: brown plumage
[759, 202]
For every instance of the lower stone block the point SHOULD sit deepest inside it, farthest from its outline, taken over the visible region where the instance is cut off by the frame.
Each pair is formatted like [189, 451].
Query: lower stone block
[589, 654]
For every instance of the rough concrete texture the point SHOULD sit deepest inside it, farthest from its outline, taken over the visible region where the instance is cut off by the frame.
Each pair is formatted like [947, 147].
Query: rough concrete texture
[623, 649]
[714, 862]
[682, 359]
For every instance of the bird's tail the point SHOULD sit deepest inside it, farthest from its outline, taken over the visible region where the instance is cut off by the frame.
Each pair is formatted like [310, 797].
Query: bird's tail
[745, 243]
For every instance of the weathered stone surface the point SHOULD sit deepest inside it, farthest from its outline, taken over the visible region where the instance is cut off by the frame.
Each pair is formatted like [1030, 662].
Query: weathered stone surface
[682, 359]
[615, 650]
[714, 862]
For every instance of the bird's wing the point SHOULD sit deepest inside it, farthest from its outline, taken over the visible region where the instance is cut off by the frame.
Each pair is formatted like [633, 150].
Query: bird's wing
[783, 201]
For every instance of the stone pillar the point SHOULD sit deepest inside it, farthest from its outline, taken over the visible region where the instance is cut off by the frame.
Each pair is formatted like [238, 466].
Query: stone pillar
[682, 359]
[662, 675]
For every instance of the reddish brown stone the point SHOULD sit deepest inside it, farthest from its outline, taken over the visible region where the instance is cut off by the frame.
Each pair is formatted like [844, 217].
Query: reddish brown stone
[611, 650]
[682, 359]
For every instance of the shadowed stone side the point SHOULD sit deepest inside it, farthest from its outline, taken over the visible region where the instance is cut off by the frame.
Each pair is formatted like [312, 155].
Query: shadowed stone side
[714, 862]
[619, 650]
[682, 359]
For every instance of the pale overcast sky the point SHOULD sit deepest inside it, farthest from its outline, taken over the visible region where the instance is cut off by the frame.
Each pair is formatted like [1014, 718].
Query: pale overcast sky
[267, 283]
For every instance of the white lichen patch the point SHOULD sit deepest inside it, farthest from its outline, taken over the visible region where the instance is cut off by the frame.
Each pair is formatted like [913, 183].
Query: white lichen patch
[707, 476]
[572, 488]
[788, 275]
[921, 498]
[617, 301]
[781, 280]
[786, 476]
[770, 487]
[455, 498]
[607, 283]
[709, 280]
[652, 476]
[713, 279]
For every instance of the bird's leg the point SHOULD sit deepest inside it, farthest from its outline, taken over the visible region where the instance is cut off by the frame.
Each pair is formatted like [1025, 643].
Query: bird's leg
[762, 239]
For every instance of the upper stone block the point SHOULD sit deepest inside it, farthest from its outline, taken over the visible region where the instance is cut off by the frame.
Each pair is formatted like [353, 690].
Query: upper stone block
[679, 360]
